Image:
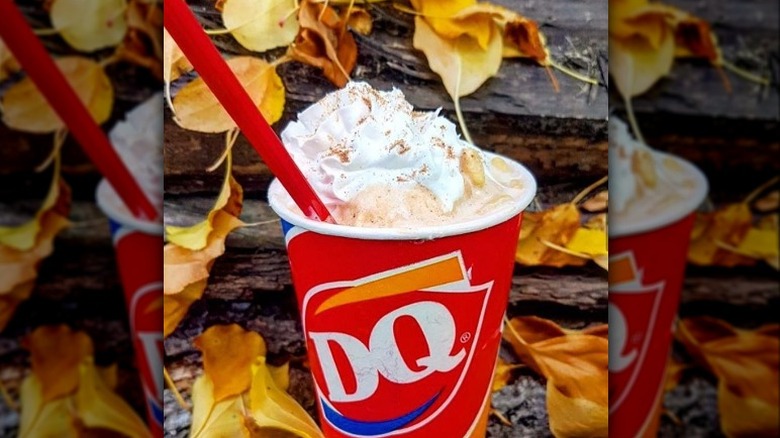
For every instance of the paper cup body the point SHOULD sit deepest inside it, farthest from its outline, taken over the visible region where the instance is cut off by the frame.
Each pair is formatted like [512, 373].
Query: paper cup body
[139, 253]
[402, 332]
[646, 270]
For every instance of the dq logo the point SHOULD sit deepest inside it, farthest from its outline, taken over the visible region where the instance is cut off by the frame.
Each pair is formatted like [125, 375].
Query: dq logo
[146, 312]
[633, 311]
[392, 349]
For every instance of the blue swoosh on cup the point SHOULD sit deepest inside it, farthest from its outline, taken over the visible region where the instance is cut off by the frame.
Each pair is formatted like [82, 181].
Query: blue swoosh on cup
[372, 428]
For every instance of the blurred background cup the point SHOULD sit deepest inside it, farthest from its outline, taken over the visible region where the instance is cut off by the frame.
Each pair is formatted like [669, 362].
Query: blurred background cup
[402, 327]
[646, 269]
[138, 246]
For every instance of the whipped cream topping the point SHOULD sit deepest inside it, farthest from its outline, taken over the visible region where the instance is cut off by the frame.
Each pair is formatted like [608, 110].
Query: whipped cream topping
[358, 137]
[643, 182]
[138, 141]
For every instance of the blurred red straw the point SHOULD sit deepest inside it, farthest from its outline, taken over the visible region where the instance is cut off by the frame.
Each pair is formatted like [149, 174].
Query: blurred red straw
[39, 66]
[200, 51]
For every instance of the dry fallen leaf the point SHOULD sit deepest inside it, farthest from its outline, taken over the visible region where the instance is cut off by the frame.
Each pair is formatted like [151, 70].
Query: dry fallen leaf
[554, 237]
[463, 63]
[555, 226]
[66, 395]
[728, 226]
[25, 109]
[197, 109]
[769, 202]
[144, 39]
[324, 42]
[575, 366]
[23, 247]
[253, 403]
[502, 374]
[191, 251]
[746, 365]
[261, 26]
[89, 25]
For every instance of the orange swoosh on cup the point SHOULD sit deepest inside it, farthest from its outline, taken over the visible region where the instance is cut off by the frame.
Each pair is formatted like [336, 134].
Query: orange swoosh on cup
[431, 275]
[621, 270]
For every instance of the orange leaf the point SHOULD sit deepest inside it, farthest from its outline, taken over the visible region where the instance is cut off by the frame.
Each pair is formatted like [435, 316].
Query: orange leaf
[228, 354]
[746, 365]
[324, 42]
[694, 38]
[55, 355]
[575, 366]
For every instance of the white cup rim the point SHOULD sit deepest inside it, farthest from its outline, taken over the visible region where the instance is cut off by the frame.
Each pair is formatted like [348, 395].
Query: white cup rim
[682, 209]
[277, 192]
[107, 200]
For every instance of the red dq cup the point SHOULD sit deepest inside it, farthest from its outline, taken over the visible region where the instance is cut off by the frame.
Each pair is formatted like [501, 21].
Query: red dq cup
[402, 326]
[139, 255]
[646, 267]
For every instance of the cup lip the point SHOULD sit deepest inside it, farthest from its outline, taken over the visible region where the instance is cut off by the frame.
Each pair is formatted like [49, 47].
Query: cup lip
[276, 191]
[103, 196]
[681, 210]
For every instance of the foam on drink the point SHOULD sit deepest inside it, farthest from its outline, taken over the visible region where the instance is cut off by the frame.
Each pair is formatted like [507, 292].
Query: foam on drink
[375, 162]
[644, 183]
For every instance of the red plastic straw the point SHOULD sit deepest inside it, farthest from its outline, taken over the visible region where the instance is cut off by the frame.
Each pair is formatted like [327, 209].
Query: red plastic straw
[39, 66]
[200, 51]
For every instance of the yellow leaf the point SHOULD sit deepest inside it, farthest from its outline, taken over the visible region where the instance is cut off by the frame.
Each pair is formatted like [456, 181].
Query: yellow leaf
[760, 244]
[41, 419]
[462, 63]
[24, 236]
[575, 366]
[588, 241]
[175, 306]
[89, 25]
[575, 417]
[360, 21]
[98, 407]
[270, 406]
[25, 109]
[261, 409]
[215, 420]
[229, 201]
[228, 354]
[281, 375]
[636, 65]
[197, 109]
[502, 374]
[260, 26]
[557, 226]
[728, 226]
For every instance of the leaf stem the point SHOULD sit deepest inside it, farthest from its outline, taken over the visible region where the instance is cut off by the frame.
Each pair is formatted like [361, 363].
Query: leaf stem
[230, 139]
[724, 79]
[553, 79]
[46, 32]
[461, 121]
[167, 93]
[760, 189]
[176, 394]
[217, 31]
[744, 73]
[501, 418]
[59, 139]
[565, 250]
[632, 120]
[572, 73]
[581, 195]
